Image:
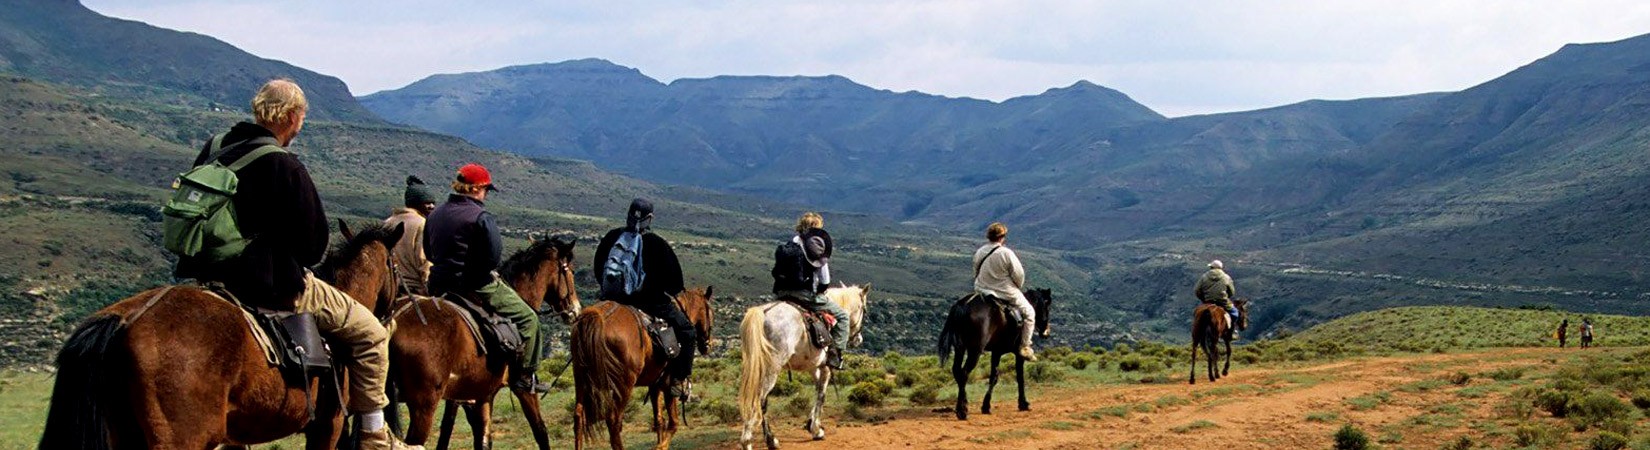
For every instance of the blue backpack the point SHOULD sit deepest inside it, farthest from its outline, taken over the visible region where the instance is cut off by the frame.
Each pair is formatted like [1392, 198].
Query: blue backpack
[622, 274]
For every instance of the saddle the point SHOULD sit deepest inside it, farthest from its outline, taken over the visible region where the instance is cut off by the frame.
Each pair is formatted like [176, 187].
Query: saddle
[416, 303]
[658, 330]
[291, 340]
[818, 323]
[1006, 306]
[499, 335]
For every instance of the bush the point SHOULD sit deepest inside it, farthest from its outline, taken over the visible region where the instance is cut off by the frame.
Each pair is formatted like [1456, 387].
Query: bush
[714, 408]
[1130, 363]
[1461, 443]
[1080, 361]
[1532, 435]
[1459, 378]
[926, 394]
[870, 393]
[1596, 408]
[1553, 402]
[1641, 398]
[1042, 372]
[785, 387]
[1350, 438]
[1506, 374]
[1607, 440]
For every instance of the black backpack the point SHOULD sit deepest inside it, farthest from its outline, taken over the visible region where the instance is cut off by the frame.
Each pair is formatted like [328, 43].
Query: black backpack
[791, 271]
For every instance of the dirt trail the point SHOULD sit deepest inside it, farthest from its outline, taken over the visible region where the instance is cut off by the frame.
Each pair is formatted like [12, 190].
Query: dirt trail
[1251, 409]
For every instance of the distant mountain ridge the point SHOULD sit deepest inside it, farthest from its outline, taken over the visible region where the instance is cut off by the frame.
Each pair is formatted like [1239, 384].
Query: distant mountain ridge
[62, 40]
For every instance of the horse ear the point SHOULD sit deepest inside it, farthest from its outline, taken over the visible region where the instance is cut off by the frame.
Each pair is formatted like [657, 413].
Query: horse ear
[708, 290]
[344, 228]
[394, 236]
[866, 289]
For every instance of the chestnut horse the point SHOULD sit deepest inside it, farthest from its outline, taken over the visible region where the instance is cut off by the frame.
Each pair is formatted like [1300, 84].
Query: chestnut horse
[433, 356]
[1207, 329]
[177, 368]
[975, 325]
[612, 355]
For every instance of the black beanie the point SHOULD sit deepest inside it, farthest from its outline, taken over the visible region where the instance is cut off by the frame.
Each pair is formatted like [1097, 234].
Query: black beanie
[417, 195]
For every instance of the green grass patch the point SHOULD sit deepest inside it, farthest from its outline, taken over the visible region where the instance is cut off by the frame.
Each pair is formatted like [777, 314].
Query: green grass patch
[1169, 401]
[1368, 402]
[1118, 411]
[1421, 386]
[1198, 425]
[1226, 391]
[1061, 425]
[1322, 416]
[1001, 437]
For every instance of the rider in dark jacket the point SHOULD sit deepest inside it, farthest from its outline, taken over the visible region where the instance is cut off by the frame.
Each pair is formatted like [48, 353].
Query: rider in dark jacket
[660, 285]
[465, 249]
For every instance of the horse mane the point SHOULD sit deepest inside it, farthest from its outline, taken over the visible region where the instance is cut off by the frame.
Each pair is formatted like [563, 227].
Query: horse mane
[343, 252]
[528, 259]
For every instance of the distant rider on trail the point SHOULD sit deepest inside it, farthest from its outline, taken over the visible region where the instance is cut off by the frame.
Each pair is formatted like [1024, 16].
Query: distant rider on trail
[802, 272]
[998, 274]
[411, 267]
[276, 205]
[638, 268]
[1216, 287]
[465, 249]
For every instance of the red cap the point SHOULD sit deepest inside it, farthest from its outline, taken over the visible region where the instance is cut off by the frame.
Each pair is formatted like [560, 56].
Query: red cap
[473, 173]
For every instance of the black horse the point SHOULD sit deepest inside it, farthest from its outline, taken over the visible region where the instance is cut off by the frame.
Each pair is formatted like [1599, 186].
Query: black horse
[977, 325]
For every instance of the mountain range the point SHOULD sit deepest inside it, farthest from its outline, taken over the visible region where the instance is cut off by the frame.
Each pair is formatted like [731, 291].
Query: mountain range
[1526, 189]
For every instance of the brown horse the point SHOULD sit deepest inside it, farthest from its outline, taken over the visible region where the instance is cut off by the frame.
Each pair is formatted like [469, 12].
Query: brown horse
[612, 355]
[974, 326]
[433, 356]
[177, 368]
[1208, 326]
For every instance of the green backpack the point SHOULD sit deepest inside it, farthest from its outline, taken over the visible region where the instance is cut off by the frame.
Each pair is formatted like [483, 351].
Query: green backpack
[199, 220]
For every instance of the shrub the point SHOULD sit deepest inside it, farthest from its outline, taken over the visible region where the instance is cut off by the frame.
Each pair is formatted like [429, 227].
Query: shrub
[1506, 373]
[869, 393]
[1152, 365]
[1459, 378]
[1607, 440]
[1535, 434]
[1055, 354]
[1461, 443]
[1641, 398]
[1042, 372]
[1351, 438]
[786, 386]
[926, 394]
[1079, 361]
[1553, 402]
[1597, 407]
[1130, 363]
[722, 412]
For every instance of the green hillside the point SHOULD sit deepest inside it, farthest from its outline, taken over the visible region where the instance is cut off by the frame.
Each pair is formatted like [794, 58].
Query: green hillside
[1422, 328]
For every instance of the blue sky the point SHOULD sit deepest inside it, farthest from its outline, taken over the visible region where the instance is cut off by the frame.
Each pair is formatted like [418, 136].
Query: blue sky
[1179, 58]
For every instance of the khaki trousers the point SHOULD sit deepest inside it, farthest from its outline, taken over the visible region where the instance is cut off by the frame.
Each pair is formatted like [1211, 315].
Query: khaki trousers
[342, 318]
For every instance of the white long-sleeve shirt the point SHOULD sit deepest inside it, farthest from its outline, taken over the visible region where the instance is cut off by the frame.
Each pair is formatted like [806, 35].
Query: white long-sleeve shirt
[1001, 274]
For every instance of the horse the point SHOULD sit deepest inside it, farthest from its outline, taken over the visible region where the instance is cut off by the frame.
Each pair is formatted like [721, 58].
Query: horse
[176, 367]
[976, 325]
[776, 339]
[434, 358]
[1206, 330]
[612, 355]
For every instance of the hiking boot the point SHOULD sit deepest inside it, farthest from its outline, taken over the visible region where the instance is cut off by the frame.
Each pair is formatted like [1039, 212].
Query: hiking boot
[383, 440]
[682, 390]
[528, 382]
[1025, 352]
[833, 358]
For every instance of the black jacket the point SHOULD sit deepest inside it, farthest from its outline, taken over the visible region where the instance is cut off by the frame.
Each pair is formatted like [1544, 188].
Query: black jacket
[664, 271]
[277, 206]
[462, 244]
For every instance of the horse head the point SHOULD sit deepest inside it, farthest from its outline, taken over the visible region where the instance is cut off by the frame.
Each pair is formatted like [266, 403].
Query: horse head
[361, 265]
[1243, 313]
[543, 274]
[695, 303]
[1042, 301]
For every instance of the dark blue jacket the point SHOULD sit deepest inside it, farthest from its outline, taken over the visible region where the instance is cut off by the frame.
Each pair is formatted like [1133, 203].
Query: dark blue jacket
[462, 244]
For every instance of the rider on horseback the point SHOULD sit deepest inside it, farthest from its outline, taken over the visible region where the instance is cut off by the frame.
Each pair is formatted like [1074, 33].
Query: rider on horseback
[1216, 287]
[804, 276]
[410, 265]
[465, 248]
[276, 204]
[656, 277]
[998, 274]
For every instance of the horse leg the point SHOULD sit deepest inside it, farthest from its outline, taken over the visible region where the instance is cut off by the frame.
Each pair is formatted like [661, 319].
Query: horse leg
[615, 427]
[822, 380]
[990, 386]
[1210, 351]
[1226, 369]
[761, 417]
[420, 415]
[958, 360]
[767, 430]
[535, 418]
[579, 424]
[1193, 377]
[449, 415]
[480, 416]
[1020, 380]
[667, 423]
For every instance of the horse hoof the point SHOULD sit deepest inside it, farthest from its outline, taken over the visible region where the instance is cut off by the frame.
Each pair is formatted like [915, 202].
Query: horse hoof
[773, 443]
[1025, 406]
[986, 411]
[819, 434]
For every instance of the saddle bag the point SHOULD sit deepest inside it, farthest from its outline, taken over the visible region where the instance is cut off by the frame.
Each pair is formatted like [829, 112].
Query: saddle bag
[301, 349]
[1010, 310]
[664, 338]
[502, 332]
[819, 328]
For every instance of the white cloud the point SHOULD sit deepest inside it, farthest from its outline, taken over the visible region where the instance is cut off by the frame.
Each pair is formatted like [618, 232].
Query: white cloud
[1177, 57]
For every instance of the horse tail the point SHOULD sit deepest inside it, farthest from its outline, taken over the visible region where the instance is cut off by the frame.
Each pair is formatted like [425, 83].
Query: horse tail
[757, 365]
[596, 370]
[948, 333]
[81, 407]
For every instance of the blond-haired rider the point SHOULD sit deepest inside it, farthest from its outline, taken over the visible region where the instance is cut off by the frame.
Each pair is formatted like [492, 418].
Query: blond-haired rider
[807, 280]
[998, 273]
